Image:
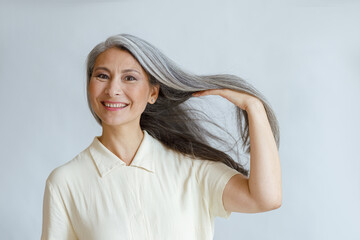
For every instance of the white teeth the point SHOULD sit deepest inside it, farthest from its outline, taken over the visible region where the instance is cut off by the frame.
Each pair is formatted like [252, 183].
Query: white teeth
[119, 105]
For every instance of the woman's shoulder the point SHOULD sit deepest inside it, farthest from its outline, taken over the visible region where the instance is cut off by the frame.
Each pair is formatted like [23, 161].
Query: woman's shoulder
[71, 169]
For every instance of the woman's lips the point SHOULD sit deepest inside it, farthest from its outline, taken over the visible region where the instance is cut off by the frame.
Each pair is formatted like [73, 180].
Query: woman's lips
[114, 107]
[114, 102]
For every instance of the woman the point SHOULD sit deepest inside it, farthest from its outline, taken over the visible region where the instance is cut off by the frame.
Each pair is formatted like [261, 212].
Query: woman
[152, 173]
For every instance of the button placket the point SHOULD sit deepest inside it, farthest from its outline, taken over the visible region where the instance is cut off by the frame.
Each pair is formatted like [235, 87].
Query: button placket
[138, 218]
[141, 203]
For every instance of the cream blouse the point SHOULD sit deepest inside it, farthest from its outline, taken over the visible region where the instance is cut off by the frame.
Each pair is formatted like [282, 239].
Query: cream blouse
[161, 195]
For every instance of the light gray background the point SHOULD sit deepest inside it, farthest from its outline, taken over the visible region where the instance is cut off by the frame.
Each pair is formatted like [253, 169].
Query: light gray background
[303, 56]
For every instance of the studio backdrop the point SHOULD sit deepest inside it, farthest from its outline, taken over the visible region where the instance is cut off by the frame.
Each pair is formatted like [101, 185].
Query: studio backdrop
[304, 56]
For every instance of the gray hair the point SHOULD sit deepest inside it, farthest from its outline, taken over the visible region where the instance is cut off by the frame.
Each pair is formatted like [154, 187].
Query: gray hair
[170, 119]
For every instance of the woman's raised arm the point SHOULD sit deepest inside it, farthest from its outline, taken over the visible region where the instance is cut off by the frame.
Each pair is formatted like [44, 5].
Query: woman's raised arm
[262, 190]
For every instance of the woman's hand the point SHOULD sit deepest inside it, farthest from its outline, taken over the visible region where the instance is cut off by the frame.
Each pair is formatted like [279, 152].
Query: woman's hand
[241, 99]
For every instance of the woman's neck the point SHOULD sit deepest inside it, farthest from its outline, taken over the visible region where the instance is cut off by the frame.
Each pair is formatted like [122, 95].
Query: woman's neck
[123, 141]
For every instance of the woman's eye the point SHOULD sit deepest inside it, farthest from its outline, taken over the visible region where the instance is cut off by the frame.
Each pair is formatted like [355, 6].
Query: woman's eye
[102, 76]
[130, 78]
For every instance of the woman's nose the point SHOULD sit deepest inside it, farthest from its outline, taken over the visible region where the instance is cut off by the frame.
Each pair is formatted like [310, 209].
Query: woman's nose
[114, 88]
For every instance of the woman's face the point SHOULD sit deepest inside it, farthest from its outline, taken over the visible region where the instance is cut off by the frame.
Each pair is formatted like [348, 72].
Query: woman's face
[118, 79]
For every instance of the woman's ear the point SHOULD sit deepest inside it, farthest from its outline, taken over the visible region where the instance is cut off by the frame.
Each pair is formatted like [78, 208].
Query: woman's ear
[154, 93]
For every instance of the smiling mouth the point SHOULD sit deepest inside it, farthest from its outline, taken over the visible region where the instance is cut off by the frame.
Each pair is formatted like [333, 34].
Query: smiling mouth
[114, 105]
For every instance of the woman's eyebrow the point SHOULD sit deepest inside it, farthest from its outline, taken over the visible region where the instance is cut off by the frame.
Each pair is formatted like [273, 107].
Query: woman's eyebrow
[101, 68]
[130, 70]
[123, 71]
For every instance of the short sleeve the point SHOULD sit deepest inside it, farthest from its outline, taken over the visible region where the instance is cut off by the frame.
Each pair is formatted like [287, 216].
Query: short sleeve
[56, 223]
[213, 177]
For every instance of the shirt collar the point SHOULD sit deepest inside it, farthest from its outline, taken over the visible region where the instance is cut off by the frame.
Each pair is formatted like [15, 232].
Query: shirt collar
[106, 161]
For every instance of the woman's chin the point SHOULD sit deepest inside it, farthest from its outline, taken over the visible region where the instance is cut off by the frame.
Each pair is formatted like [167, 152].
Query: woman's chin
[115, 122]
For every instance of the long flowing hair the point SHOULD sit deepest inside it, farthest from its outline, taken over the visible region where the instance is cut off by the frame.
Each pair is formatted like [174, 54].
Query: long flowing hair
[171, 119]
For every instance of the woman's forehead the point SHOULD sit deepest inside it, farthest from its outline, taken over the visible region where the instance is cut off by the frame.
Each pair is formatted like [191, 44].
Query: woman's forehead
[117, 57]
